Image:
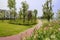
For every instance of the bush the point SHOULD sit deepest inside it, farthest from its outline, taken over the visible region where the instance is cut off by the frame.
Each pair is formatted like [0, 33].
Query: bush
[49, 31]
[20, 22]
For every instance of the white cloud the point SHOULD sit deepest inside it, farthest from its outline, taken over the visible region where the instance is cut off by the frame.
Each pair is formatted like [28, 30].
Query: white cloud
[3, 4]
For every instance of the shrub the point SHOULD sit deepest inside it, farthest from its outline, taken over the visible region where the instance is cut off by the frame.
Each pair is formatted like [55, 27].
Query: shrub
[49, 31]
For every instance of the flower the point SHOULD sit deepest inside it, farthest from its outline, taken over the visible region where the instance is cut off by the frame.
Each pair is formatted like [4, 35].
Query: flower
[59, 29]
[47, 38]
[53, 36]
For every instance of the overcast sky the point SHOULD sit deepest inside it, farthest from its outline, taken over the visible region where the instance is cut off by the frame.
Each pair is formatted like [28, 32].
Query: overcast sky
[33, 4]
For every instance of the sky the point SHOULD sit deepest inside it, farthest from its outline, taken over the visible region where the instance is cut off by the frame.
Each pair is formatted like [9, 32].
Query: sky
[33, 4]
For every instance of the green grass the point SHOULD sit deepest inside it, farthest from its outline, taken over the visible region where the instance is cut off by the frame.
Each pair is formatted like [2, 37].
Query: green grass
[20, 21]
[7, 29]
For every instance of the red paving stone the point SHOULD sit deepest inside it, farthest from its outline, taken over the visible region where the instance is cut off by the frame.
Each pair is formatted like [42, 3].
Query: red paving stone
[21, 35]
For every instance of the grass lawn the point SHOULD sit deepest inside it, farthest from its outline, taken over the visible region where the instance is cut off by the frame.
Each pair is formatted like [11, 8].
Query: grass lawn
[7, 29]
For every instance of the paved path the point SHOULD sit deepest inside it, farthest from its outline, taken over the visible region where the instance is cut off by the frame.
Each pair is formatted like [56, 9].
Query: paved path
[21, 35]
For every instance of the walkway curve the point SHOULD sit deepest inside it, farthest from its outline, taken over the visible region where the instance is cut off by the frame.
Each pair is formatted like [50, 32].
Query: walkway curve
[21, 35]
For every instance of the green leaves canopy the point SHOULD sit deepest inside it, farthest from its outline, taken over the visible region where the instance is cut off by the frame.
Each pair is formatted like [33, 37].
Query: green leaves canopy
[11, 4]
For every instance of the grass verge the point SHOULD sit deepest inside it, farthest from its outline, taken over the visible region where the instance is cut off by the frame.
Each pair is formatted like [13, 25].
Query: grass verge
[7, 29]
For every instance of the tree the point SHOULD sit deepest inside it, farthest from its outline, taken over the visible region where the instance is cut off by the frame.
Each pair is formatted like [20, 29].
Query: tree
[11, 5]
[2, 15]
[13, 14]
[35, 12]
[58, 14]
[47, 10]
[20, 13]
[25, 8]
[29, 17]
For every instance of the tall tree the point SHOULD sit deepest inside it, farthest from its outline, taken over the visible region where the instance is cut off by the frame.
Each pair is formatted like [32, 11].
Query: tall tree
[47, 10]
[58, 14]
[35, 12]
[13, 14]
[20, 13]
[11, 5]
[25, 8]
[2, 15]
[29, 17]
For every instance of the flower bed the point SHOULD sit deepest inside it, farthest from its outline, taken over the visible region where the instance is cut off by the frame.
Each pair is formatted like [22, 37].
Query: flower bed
[49, 31]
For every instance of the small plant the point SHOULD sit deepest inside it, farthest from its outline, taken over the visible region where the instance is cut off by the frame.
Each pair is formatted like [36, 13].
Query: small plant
[49, 31]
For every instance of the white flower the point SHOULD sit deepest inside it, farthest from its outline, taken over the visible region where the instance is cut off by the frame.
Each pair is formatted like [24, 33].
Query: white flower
[52, 36]
[47, 38]
[59, 29]
[50, 27]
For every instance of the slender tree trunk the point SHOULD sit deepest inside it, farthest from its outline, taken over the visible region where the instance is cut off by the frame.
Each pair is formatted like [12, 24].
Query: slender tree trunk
[24, 19]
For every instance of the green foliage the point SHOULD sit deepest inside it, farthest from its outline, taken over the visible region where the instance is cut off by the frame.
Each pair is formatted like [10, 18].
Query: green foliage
[49, 31]
[35, 12]
[2, 16]
[11, 4]
[20, 22]
[24, 13]
[20, 13]
[47, 10]
[58, 14]
[25, 8]
[13, 13]
[29, 16]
